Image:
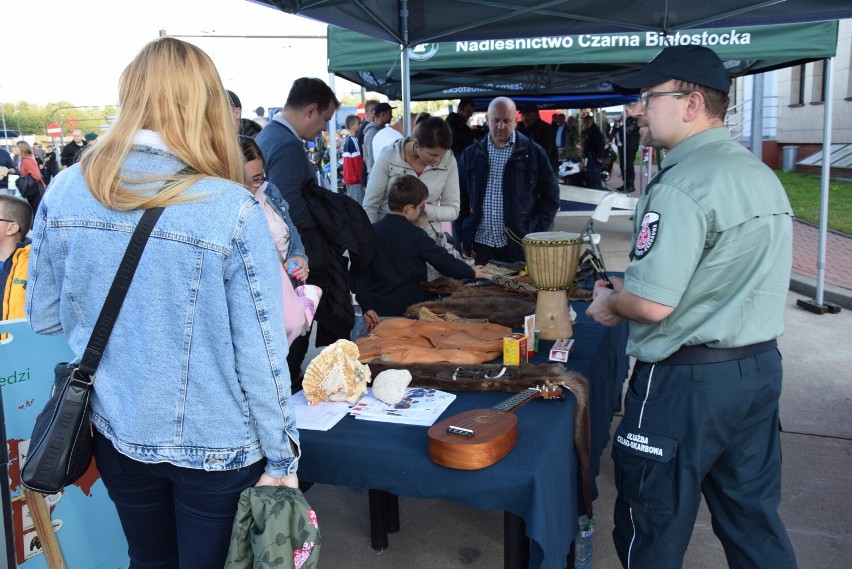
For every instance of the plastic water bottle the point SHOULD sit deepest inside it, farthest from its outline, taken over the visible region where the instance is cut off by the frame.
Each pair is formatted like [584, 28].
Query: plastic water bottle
[583, 552]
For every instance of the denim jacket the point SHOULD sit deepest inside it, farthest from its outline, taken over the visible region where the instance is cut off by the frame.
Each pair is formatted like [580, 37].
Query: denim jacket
[195, 371]
[280, 205]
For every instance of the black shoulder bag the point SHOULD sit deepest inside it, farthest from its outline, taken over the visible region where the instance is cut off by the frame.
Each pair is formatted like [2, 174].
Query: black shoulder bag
[61, 444]
[28, 186]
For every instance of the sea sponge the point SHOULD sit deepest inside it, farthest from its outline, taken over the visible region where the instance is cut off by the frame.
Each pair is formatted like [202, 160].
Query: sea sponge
[389, 386]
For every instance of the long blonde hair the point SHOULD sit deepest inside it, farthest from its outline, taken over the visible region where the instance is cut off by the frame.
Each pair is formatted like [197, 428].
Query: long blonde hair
[172, 88]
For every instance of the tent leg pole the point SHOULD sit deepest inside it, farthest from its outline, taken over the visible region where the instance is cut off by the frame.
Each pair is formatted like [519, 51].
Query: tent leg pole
[406, 71]
[818, 305]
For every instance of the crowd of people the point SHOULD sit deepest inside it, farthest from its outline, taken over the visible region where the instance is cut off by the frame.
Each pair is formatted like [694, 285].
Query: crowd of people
[251, 252]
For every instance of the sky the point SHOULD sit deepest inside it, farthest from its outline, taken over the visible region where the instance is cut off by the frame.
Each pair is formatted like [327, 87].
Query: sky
[82, 47]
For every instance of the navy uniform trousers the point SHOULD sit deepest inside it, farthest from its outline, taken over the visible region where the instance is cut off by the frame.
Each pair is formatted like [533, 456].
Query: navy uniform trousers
[710, 429]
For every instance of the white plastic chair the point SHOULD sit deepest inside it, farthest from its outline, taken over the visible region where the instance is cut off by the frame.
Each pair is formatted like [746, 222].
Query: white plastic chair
[601, 213]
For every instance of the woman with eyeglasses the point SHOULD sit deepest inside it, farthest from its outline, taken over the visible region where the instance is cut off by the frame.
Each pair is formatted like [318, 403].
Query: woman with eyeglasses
[300, 303]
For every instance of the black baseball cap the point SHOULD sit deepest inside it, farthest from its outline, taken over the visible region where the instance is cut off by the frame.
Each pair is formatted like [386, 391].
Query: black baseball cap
[235, 101]
[382, 107]
[690, 63]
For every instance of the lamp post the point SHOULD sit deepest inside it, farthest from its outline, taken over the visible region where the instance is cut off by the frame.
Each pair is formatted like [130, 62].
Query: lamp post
[5, 133]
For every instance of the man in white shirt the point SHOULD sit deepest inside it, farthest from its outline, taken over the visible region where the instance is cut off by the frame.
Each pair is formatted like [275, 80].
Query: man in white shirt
[388, 135]
[382, 115]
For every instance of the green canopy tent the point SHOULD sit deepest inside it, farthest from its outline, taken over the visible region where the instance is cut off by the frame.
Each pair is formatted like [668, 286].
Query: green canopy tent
[411, 23]
[579, 64]
[586, 64]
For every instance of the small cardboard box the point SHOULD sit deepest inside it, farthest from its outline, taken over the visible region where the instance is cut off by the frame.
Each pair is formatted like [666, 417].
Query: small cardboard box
[515, 350]
[561, 350]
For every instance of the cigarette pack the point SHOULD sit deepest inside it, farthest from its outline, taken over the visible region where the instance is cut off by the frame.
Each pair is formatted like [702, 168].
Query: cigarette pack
[515, 350]
[561, 350]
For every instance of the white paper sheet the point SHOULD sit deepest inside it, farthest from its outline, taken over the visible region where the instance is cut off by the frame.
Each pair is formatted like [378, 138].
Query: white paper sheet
[419, 406]
[319, 417]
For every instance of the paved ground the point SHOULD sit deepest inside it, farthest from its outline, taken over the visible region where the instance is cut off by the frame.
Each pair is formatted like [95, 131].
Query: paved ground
[837, 269]
[816, 442]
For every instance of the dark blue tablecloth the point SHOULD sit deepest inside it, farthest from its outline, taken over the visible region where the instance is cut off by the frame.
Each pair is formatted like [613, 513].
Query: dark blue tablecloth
[536, 481]
[600, 355]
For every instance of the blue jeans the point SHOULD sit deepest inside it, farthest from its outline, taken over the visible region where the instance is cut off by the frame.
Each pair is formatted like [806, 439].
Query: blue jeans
[172, 516]
[356, 192]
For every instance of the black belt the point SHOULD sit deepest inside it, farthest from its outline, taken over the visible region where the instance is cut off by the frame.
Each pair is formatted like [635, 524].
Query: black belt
[702, 354]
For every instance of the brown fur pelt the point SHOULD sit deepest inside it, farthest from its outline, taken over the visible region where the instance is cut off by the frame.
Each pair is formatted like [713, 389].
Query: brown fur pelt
[439, 376]
[442, 285]
[495, 304]
[448, 285]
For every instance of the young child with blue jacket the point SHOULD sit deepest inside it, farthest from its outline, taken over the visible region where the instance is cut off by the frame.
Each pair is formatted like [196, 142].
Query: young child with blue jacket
[402, 252]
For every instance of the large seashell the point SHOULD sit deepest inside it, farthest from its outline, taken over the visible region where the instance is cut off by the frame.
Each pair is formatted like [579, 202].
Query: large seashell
[335, 374]
[389, 386]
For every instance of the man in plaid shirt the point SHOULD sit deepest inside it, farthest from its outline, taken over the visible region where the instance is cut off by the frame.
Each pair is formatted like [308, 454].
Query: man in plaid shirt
[507, 189]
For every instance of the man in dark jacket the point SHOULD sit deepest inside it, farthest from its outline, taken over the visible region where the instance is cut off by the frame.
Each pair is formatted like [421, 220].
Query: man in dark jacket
[594, 146]
[507, 189]
[51, 165]
[310, 104]
[627, 152]
[8, 164]
[540, 132]
[462, 134]
[71, 152]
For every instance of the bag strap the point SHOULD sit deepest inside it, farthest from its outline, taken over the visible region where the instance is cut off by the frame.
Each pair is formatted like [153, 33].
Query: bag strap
[115, 298]
[40, 515]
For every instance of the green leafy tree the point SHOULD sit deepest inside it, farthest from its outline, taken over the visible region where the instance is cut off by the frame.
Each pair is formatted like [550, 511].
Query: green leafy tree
[30, 119]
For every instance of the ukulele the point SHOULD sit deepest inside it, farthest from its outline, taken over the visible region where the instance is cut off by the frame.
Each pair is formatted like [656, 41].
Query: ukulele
[478, 438]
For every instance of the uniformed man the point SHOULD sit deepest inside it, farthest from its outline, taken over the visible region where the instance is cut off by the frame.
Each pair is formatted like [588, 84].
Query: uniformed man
[704, 295]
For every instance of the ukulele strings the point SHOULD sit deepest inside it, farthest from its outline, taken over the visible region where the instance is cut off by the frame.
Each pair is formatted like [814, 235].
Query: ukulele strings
[499, 409]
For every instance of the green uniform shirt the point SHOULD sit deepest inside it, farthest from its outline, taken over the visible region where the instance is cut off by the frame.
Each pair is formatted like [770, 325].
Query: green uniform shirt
[713, 239]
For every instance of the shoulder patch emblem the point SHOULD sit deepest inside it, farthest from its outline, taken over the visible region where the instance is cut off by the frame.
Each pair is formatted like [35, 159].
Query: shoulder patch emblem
[647, 234]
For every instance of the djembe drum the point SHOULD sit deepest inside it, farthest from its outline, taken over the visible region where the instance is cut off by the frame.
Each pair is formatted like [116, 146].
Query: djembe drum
[552, 259]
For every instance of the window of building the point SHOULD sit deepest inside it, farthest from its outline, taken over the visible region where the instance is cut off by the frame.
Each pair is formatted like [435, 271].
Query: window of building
[849, 80]
[818, 84]
[797, 86]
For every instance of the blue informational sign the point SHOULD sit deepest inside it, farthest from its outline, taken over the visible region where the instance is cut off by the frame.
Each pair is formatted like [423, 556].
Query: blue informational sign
[86, 524]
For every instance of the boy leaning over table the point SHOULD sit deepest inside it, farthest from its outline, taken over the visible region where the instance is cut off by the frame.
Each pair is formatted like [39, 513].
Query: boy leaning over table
[402, 251]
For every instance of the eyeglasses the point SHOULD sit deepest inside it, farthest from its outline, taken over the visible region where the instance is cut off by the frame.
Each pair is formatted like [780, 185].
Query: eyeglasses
[11, 221]
[258, 180]
[645, 98]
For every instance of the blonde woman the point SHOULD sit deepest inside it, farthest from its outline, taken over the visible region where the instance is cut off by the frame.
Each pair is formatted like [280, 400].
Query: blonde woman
[192, 397]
